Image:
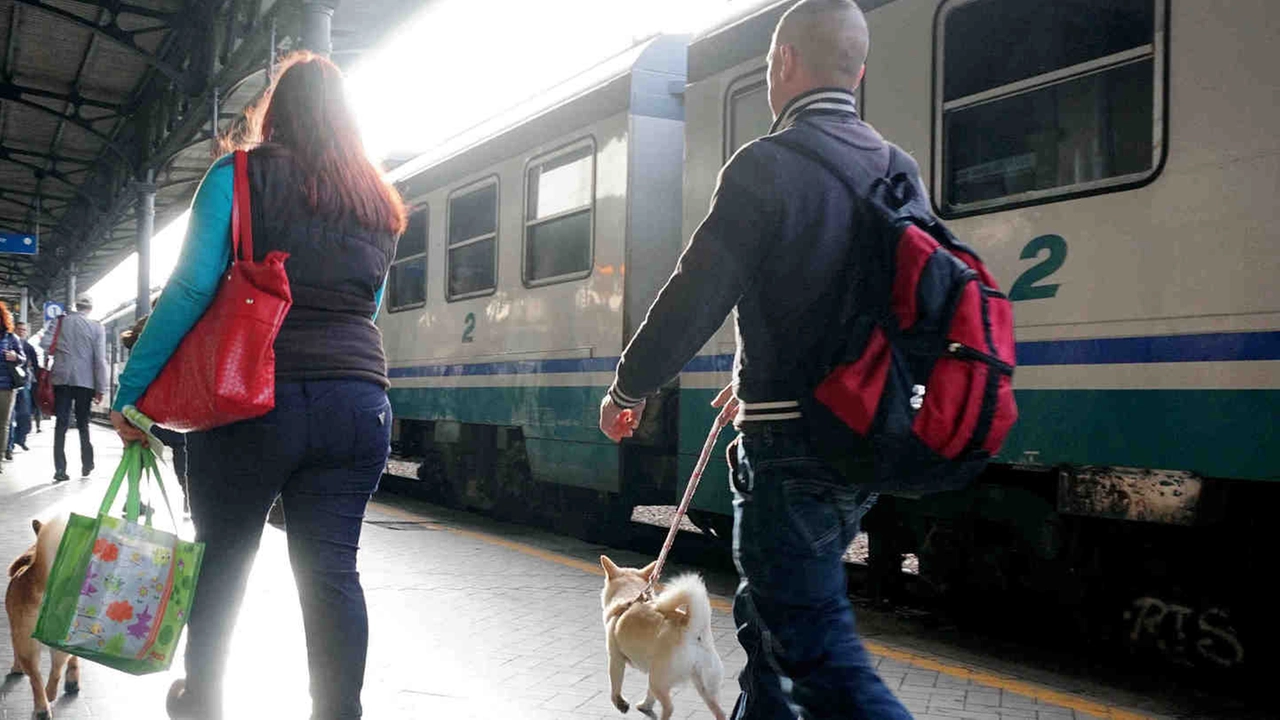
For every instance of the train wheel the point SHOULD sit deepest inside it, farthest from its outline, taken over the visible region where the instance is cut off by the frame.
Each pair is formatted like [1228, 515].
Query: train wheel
[434, 472]
[607, 521]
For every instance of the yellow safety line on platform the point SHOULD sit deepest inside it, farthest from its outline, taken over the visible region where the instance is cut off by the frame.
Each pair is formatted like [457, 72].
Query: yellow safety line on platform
[981, 677]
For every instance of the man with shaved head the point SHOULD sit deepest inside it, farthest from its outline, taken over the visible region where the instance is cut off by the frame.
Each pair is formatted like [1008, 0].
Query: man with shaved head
[774, 248]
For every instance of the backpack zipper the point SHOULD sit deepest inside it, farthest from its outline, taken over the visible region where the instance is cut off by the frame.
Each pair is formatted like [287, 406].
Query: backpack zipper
[968, 353]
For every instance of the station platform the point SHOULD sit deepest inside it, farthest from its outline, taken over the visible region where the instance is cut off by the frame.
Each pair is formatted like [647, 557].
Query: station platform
[471, 619]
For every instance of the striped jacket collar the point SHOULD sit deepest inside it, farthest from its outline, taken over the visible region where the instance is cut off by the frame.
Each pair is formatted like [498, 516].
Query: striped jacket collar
[825, 99]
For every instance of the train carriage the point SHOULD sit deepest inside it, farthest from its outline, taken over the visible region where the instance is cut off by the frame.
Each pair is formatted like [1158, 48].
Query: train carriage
[1115, 164]
[531, 256]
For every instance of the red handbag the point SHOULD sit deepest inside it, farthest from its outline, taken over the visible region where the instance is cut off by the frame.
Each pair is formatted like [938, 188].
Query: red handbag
[45, 399]
[224, 370]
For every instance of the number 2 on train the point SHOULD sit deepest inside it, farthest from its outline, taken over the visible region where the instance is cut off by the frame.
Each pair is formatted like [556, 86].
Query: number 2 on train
[1026, 287]
[469, 323]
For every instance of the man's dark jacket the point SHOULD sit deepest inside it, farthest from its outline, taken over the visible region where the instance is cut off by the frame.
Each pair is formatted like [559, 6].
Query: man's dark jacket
[773, 248]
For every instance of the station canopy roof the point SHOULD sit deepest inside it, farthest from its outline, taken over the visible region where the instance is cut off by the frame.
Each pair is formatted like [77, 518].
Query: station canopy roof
[98, 96]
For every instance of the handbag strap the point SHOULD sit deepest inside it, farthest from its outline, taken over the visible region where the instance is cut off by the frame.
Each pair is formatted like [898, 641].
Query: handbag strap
[150, 467]
[53, 348]
[136, 462]
[130, 468]
[241, 218]
[148, 454]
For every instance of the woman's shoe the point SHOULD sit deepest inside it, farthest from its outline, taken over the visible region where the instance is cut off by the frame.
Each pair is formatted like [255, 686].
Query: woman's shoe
[275, 516]
[180, 705]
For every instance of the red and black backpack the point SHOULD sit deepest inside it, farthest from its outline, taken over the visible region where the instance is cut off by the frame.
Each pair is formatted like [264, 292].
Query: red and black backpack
[923, 358]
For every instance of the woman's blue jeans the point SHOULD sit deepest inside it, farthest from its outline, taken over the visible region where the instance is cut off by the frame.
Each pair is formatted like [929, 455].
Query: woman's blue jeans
[322, 449]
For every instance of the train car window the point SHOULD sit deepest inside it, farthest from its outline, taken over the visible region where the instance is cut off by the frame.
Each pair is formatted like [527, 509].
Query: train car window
[558, 215]
[1038, 101]
[473, 240]
[747, 112]
[407, 283]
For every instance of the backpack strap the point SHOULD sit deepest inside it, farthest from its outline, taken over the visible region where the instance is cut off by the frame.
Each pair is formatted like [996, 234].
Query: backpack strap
[840, 174]
[860, 194]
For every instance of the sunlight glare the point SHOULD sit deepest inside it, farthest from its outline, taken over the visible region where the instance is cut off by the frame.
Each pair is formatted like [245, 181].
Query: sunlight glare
[457, 63]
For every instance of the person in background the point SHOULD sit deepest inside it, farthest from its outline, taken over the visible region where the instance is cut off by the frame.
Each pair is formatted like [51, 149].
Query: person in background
[79, 380]
[22, 396]
[37, 414]
[315, 195]
[11, 349]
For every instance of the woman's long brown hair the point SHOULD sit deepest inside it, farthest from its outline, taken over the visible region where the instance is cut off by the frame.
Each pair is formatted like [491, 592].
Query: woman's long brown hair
[6, 317]
[305, 111]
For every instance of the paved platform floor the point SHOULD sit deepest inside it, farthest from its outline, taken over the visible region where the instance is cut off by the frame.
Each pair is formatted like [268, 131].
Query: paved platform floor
[469, 619]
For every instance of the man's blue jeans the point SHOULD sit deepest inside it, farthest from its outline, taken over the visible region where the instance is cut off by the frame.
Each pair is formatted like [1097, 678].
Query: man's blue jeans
[794, 516]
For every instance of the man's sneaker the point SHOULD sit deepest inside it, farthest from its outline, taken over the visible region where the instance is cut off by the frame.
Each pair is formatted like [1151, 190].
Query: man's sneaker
[86, 472]
[61, 477]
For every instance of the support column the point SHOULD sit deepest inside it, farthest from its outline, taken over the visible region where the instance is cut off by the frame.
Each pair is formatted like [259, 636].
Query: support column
[146, 224]
[22, 306]
[71, 287]
[317, 25]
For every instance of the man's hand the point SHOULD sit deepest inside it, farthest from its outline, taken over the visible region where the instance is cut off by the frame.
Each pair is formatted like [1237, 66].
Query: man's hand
[97, 397]
[127, 432]
[727, 401]
[617, 423]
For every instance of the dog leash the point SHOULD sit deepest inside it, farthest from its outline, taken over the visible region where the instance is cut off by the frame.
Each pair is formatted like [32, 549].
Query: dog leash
[721, 421]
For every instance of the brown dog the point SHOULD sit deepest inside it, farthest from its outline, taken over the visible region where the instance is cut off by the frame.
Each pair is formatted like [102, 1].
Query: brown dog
[27, 577]
[668, 637]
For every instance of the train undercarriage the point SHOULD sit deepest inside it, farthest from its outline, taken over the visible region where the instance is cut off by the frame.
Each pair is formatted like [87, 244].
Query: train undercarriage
[1007, 554]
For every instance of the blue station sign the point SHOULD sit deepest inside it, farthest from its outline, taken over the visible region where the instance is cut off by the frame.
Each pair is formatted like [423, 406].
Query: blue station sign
[17, 243]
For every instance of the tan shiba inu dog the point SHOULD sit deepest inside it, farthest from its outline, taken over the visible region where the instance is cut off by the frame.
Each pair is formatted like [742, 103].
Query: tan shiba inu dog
[27, 577]
[668, 637]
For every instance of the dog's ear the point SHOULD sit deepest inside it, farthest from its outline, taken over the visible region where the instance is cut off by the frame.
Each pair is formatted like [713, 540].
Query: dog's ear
[647, 570]
[35, 525]
[610, 569]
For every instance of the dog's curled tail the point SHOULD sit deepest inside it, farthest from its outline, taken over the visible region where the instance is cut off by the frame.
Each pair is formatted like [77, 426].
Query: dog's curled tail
[686, 597]
[24, 561]
[28, 558]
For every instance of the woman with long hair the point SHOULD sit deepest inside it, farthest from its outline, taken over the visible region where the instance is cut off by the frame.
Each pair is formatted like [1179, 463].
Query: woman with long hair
[316, 196]
[11, 349]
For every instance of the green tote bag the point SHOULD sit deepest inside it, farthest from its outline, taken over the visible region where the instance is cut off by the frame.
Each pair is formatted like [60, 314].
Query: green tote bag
[119, 592]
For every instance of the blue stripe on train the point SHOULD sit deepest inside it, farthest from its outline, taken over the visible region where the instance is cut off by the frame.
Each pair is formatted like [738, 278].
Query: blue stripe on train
[1208, 347]
[508, 367]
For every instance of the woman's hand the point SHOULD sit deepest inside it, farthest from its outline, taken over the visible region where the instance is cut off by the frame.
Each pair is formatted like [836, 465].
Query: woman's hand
[127, 432]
